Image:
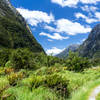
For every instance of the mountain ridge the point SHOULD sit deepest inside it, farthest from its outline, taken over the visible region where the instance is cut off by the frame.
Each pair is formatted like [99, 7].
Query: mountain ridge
[64, 53]
[92, 44]
[14, 31]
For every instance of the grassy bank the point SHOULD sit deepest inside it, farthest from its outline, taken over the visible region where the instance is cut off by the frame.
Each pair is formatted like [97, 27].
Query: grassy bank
[84, 92]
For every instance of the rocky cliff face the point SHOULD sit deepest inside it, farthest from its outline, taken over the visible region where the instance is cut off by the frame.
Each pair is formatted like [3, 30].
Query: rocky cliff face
[14, 31]
[91, 46]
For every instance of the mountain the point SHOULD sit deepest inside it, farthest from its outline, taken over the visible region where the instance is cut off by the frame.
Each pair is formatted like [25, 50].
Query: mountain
[91, 47]
[65, 53]
[14, 31]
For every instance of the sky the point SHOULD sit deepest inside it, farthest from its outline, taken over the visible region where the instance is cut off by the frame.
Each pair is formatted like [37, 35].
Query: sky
[57, 24]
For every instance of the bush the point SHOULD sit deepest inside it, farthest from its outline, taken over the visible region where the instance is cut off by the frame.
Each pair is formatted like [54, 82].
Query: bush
[57, 82]
[95, 61]
[76, 63]
[23, 59]
[4, 56]
[8, 70]
[8, 64]
[2, 71]
[14, 77]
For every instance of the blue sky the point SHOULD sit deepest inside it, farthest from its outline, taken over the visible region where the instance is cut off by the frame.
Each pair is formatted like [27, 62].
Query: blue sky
[59, 23]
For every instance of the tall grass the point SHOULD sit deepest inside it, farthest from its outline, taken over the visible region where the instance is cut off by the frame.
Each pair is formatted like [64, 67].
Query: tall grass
[24, 93]
[98, 97]
[84, 92]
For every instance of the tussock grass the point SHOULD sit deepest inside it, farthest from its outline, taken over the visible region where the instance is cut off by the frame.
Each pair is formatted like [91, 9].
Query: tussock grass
[84, 92]
[98, 97]
[24, 93]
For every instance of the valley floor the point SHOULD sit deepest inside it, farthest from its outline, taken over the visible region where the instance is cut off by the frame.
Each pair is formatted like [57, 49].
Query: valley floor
[53, 83]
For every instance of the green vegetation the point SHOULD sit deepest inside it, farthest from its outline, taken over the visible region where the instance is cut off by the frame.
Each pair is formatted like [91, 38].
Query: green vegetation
[29, 76]
[76, 63]
[14, 31]
[85, 91]
[27, 73]
[98, 97]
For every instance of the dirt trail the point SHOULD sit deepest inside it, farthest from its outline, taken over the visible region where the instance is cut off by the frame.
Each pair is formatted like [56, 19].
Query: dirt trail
[94, 93]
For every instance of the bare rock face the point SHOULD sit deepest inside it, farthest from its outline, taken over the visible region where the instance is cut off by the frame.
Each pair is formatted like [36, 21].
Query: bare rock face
[14, 31]
[91, 46]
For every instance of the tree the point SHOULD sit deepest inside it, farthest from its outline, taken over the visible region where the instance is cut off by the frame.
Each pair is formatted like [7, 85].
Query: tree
[23, 58]
[76, 63]
[4, 56]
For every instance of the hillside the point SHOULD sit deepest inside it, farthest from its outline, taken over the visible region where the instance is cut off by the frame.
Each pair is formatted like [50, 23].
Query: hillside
[65, 53]
[14, 31]
[91, 47]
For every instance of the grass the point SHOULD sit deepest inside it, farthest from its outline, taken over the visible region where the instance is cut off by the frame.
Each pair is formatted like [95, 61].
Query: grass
[3, 82]
[84, 92]
[34, 87]
[98, 97]
[24, 93]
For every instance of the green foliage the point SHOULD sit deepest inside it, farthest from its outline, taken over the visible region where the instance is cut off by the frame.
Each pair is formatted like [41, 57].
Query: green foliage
[15, 34]
[14, 77]
[8, 64]
[51, 61]
[4, 56]
[57, 82]
[2, 71]
[22, 59]
[76, 63]
[45, 60]
[3, 83]
[23, 93]
[98, 97]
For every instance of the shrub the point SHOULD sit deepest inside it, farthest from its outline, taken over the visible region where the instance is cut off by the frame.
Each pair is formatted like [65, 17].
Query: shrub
[95, 61]
[32, 82]
[4, 56]
[8, 64]
[2, 71]
[4, 84]
[57, 82]
[76, 63]
[8, 70]
[37, 81]
[22, 59]
[54, 69]
[48, 61]
[14, 77]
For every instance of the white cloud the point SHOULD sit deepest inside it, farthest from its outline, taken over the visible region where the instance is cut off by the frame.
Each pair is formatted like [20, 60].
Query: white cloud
[54, 51]
[71, 28]
[80, 15]
[63, 3]
[87, 19]
[50, 40]
[89, 8]
[62, 25]
[51, 29]
[68, 27]
[35, 17]
[83, 39]
[56, 36]
[97, 15]
[73, 3]
[89, 1]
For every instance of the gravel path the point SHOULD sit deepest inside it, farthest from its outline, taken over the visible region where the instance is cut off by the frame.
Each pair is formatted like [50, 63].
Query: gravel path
[94, 93]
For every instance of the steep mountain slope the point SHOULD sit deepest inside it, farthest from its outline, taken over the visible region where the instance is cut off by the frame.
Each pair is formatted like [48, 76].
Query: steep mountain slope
[91, 47]
[64, 53]
[14, 31]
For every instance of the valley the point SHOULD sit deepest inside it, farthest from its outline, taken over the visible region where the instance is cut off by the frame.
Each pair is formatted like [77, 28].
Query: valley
[28, 73]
